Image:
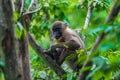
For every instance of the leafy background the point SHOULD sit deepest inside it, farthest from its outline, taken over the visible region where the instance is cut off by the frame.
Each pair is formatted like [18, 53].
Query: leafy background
[105, 59]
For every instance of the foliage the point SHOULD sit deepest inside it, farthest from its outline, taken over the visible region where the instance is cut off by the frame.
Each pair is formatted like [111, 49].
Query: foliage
[105, 59]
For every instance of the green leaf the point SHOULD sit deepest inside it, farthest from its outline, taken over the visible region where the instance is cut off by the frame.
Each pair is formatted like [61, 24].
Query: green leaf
[15, 16]
[108, 28]
[98, 75]
[99, 61]
[106, 46]
[85, 68]
[71, 56]
[69, 76]
[19, 25]
[65, 46]
[18, 32]
[118, 37]
[46, 4]
[2, 63]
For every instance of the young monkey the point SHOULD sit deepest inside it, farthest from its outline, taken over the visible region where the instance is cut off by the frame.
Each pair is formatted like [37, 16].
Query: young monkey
[68, 42]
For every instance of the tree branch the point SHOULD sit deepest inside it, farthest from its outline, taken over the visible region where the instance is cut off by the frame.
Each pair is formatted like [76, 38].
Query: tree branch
[90, 7]
[53, 65]
[59, 71]
[32, 5]
[31, 12]
[113, 13]
[30, 9]
[22, 8]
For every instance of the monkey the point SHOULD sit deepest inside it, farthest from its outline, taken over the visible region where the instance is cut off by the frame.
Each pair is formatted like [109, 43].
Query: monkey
[67, 43]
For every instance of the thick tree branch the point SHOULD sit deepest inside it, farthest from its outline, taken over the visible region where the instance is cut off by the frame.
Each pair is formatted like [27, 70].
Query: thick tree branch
[26, 19]
[8, 43]
[59, 71]
[45, 58]
[23, 41]
[113, 13]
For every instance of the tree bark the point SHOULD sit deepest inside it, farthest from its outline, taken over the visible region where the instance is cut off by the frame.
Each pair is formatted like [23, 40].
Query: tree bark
[12, 69]
[59, 71]
[23, 41]
[53, 65]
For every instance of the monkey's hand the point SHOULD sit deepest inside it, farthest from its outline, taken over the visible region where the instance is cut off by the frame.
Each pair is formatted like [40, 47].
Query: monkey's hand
[54, 52]
[53, 49]
[48, 53]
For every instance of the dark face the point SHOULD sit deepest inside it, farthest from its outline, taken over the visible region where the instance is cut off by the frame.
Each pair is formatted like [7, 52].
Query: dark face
[57, 31]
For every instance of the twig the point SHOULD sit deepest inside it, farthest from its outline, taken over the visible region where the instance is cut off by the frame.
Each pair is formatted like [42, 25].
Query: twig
[113, 13]
[88, 15]
[31, 12]
[32, 5]
[21, 9]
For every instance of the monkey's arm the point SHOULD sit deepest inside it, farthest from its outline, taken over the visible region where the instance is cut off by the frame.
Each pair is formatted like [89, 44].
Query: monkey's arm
[71, 45]
[68, 45]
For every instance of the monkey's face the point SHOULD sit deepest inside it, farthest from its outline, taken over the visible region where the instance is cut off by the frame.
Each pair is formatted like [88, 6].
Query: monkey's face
[58, 28]
[57, 31]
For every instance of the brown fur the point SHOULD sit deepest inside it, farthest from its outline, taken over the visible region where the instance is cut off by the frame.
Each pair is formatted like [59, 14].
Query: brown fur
[70, 39]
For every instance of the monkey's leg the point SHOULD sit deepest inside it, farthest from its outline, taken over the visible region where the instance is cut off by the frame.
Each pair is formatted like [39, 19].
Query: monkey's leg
[70, 62]
[63, 55]
[72, 65]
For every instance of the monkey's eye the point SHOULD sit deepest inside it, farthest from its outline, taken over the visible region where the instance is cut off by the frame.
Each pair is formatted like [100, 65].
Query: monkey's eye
[56, 29]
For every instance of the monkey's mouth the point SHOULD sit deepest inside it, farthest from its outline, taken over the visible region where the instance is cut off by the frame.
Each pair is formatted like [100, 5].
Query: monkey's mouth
[57, 37]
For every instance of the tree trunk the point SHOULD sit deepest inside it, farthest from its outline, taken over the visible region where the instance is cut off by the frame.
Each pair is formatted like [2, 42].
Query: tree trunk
[12, 69]
[23, 43]
[14, 53]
